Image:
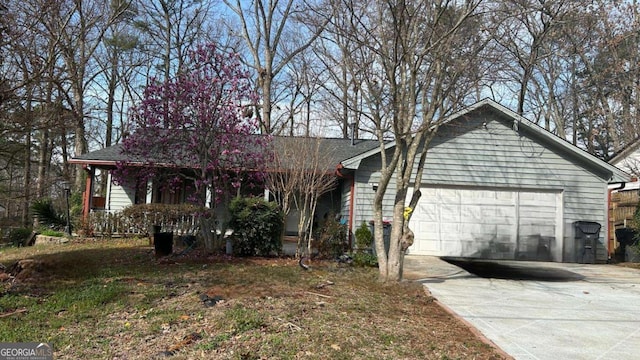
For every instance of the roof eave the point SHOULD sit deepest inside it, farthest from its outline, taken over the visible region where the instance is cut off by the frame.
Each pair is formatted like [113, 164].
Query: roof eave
[625, 152]
[92, 162]
[354, 162]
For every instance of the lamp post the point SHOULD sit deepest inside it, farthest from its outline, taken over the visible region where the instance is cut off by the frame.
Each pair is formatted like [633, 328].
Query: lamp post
[67, 191]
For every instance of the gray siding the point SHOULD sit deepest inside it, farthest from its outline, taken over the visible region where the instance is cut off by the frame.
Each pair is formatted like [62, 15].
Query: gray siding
[120, 197]
[485, 151]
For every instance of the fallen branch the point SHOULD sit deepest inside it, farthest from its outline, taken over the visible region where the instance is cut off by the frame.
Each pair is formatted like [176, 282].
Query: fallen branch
[18, 311]
[290, 325]
[321, 295]
[320, 286]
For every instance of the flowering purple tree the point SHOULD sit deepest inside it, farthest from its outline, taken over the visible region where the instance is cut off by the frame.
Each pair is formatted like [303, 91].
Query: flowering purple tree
[195, 130]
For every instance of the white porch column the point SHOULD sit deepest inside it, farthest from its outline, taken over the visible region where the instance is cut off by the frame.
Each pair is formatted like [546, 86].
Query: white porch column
[149, 197]
[209, 196]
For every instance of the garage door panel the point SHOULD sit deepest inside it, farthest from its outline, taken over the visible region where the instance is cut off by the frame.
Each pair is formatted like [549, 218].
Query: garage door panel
[483, 222]
[428, 246]
[537, 229]
[485, 214]
[505, 231]
[429, 230]
[538, 213]
[477, 230]
[535, 198]
[427, 212]
[448, 196]
[449, 230]
[505, 215]
[451, 248]
[450, 212]
[473, 213]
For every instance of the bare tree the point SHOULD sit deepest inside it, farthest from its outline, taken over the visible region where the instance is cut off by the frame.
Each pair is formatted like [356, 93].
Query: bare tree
[264, 24]
[171, 28]
[32, 84]
[536, 58]
[78, 28]
[304, 78]
[340, 98]
[418, 56]
[304, 171]
[608, 77]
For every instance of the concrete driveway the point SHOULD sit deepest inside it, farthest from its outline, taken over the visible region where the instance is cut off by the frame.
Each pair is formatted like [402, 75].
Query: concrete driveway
[549, 311]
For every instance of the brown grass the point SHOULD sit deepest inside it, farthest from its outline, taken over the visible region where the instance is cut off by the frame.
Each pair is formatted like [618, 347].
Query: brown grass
[112, 299]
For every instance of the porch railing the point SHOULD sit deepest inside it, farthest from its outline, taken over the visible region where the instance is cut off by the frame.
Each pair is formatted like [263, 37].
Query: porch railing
[116, 224]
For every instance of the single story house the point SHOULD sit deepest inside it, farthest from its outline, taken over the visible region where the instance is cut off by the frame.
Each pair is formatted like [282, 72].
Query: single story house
[495, 186]
[628, 159]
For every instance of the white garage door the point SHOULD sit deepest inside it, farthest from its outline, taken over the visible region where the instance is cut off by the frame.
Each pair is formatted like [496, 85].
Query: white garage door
[488, 223]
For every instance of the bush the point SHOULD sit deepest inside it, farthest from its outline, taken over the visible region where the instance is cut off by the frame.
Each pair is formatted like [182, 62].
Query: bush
[364, 237]
[51, 232]
[365, 259]
[332, 239]
[19, 236]
[47, 215]
[257, 226]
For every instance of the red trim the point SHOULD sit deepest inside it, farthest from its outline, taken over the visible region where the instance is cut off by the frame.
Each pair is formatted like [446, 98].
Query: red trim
[86, 195]
[351, 202]
[609, 239]
[92, 162]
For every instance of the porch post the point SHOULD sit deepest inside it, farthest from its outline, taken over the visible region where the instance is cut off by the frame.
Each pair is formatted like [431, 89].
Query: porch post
[208, 197]
[88, 191]
[149, 189]
[352, 190]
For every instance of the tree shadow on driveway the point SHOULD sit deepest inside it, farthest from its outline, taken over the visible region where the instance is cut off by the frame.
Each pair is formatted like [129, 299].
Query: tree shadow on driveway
[509, 270]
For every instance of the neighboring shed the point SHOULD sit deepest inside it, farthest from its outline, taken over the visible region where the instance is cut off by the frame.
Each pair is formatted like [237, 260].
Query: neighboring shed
[498, 186]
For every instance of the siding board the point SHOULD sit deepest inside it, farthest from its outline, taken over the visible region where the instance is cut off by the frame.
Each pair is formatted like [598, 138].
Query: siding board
[118, 196]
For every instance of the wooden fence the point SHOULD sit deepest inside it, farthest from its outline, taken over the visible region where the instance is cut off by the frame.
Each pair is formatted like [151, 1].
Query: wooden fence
[622, 209]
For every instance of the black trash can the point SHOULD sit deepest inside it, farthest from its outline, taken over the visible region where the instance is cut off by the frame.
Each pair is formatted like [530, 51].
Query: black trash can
[627, 238]
[587, 234]
[386, 235]
[163, 243]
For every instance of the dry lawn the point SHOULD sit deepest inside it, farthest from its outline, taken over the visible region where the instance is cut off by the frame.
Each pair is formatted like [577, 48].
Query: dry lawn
[113, 300]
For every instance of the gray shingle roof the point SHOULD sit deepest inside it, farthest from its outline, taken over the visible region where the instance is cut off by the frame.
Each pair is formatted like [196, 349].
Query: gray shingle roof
[336, 150]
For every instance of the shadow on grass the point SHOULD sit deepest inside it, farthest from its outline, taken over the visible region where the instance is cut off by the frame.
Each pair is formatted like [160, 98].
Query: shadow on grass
[73, 263]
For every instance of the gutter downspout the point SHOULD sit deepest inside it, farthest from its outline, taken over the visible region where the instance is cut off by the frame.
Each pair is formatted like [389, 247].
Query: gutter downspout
[610, 237]
[352, 188]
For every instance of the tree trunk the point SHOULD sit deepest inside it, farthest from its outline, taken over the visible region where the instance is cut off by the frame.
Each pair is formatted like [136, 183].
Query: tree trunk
[43, 162]
[266, 103]
[27, 174]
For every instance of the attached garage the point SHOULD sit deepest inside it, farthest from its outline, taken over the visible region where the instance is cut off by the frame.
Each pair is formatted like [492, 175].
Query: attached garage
[488, 223]
[496, 186]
